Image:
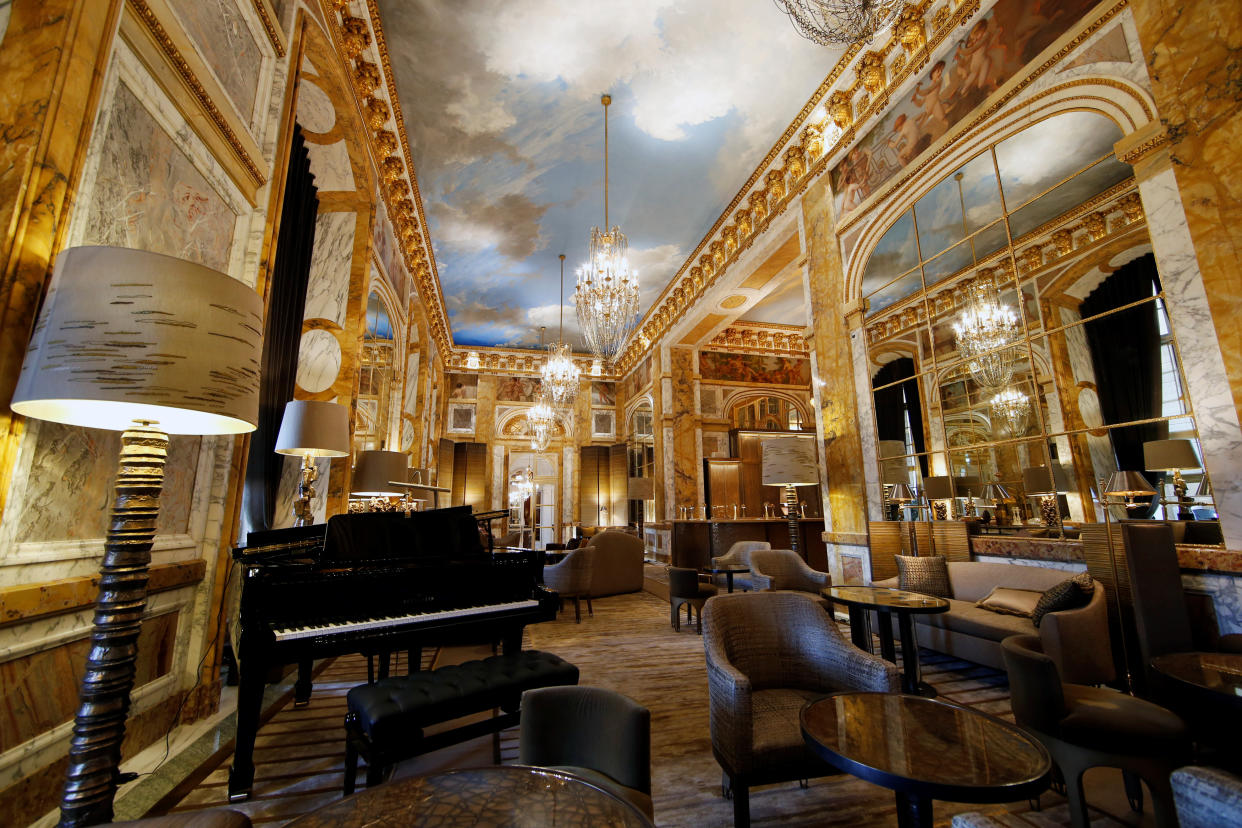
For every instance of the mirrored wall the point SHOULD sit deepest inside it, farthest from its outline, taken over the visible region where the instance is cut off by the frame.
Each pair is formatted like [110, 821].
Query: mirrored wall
[1017, 335]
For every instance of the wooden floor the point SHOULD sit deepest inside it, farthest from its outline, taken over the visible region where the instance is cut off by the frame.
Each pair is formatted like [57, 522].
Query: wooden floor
[628, 646]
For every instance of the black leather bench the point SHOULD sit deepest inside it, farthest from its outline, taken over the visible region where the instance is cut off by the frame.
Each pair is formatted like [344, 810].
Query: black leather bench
[386, 720]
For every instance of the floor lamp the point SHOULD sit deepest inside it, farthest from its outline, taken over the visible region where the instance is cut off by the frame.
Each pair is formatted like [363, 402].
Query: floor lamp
[789, 462]
[147, 345]
[1127, 485]
[311, 429]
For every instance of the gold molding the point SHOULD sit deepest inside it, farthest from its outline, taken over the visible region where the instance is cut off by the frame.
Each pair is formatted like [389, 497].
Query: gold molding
[269, 27]
[178, 62]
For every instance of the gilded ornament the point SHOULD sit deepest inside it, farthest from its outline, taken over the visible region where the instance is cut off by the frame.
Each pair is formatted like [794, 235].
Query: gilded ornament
[403, 208]
[1132, 206]
[1064, 241]
[399, 189]
[795, 162]
[696, 276]
[813, 140]
[392, 168]
[909, 29]
[1096, 226]
[386, 142]
[742, 217]
[899, 62]
[941, 18]
[840, 110]
[340, 6]
[355, 37]
[730, 238]
[1032, 258]
[377, 112]
[709, 266]
[775, 179]
[757, 201]
[871, 71]
[718, 253]
[367, 78]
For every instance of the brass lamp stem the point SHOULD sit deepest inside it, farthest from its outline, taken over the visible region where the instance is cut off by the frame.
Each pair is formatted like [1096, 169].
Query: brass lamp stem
[99, 726]
[306, 492]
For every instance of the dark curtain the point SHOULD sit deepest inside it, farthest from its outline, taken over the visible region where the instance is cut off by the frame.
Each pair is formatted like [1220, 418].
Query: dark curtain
[892, 404]
[282, 333]
[1125, 354]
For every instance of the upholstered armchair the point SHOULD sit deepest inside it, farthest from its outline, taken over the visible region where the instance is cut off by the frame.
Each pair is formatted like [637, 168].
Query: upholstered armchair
[738, 555]
[1207, 798]
[618, 563]
[571, 578]
[768, 654]
[782, 569]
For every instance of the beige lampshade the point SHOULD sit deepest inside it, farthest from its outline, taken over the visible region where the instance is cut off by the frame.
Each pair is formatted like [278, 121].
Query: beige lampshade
[376, 471]
[901, 494]
[1169, 455]
[939, 487]
[317, 429]
[641, 488]
[965, 485]
[129, 335]
[1127, 484]
[788, 461]
[1037, 480]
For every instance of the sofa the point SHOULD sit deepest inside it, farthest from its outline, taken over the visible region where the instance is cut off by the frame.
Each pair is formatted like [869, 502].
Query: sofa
[616, 563]
[1076, 639]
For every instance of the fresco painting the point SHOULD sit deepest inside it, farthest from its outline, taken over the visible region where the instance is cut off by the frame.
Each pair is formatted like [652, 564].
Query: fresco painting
[463, 386]
[990, 52]
[603, 393]
[517, 389]
[769, 370]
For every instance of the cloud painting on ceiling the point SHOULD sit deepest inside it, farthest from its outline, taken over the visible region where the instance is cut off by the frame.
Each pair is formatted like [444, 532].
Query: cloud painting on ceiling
[501, 105]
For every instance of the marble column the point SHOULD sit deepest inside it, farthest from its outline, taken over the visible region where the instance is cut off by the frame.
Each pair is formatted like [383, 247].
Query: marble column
[687, 486]
[835, 361]
[1192, 57]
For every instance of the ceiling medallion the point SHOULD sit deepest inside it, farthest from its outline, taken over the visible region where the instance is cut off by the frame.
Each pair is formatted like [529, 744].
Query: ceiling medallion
[985, 330]
[606, 297]
[560, 375]
[839, 22]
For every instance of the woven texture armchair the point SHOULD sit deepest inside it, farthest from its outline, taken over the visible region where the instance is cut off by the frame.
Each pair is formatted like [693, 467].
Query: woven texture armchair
[571, 578]
[738, 555]
[783, 569]
[1207, 798]
[768, 654]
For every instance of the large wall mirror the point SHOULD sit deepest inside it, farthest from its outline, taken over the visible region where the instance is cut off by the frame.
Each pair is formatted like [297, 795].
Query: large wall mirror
[640, 456]
[1015, 320]
[375, 381]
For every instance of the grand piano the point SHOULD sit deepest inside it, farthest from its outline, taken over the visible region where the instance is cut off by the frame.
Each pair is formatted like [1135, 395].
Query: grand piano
[370, 583]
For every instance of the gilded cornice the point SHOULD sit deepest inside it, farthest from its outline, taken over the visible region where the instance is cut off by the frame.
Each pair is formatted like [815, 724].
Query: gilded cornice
[761, 338]
[500, 361]
[1136, 153]
[160, 36]
[269, 26]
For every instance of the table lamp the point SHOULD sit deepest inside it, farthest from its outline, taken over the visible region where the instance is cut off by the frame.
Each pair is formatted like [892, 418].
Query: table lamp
[379, 474]
[642, 489]
[937, 489]
[1046, 483]
[312, 429]
[1174, 456]
[148, 345]
[901, 495]
[996, 494]
[789, 462]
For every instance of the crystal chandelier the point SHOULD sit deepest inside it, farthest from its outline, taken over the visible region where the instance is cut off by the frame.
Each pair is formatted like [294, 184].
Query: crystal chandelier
[984, 329]
[606, 297]
[560, 375]
[540, 421]
[839, 22]
[1012, 408]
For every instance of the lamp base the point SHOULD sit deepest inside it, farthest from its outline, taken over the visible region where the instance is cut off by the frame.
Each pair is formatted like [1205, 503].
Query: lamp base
[302, 513]
[791, 512]
[99, 726]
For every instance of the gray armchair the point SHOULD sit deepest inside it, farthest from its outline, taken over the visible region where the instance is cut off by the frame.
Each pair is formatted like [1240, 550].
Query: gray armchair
[738, 555]
[571, 578]
[1207, 798]
[782, 569]
[768, 654]
[592, 732]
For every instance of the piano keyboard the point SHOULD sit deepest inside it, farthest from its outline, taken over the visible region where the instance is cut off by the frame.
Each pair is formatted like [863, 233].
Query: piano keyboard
[368, 624]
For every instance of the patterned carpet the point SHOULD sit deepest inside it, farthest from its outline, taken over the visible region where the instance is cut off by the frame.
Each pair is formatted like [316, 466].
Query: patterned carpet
[628, 646]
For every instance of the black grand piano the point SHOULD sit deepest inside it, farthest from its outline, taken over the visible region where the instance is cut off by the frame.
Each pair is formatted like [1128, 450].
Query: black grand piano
[372, 583]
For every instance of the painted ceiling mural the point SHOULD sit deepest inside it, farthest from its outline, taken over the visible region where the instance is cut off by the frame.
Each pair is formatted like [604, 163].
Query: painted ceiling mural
[501, 104]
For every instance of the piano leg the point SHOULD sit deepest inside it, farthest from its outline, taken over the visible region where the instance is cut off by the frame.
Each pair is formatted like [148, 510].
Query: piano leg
[249, 707]
[302, 689]
[385, 662]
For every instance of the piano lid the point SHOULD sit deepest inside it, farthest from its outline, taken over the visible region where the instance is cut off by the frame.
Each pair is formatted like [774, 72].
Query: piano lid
[373, 536]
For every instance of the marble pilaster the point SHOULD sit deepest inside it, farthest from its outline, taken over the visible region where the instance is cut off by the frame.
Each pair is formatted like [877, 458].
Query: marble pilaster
[686, 482]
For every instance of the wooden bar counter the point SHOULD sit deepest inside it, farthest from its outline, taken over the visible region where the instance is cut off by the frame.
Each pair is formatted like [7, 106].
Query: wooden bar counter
[696, 542]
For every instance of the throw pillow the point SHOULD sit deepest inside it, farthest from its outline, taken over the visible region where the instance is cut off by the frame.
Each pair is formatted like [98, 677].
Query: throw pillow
[1069, 594]
[1009, 601]
[926, 574]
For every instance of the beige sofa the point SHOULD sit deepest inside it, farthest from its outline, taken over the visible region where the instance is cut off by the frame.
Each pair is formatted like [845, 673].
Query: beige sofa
[616, 563]
[1076, 639]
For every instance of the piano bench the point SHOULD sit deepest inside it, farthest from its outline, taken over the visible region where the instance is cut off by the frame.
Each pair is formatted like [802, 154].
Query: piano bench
[386, 720]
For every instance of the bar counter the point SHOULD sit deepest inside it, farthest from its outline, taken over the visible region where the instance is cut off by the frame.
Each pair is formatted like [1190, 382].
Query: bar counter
[696, 542]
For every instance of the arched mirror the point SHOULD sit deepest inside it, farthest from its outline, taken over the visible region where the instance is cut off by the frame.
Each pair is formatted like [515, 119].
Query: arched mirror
[375, 381]
[640, 452]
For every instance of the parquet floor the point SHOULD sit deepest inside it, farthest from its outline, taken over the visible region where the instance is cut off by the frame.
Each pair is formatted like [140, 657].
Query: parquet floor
[628, 646]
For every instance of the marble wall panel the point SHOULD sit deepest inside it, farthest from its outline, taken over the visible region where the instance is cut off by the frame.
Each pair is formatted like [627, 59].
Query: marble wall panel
[388, 251]
[62, 488]
[1226, 592]
[223, 37]
[316, 114]
[686, 478]
[149, 195]
[328, 290]
[329, 163]
[866, 425]
[1203, 366]
[319, 361]
[1068, 566]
